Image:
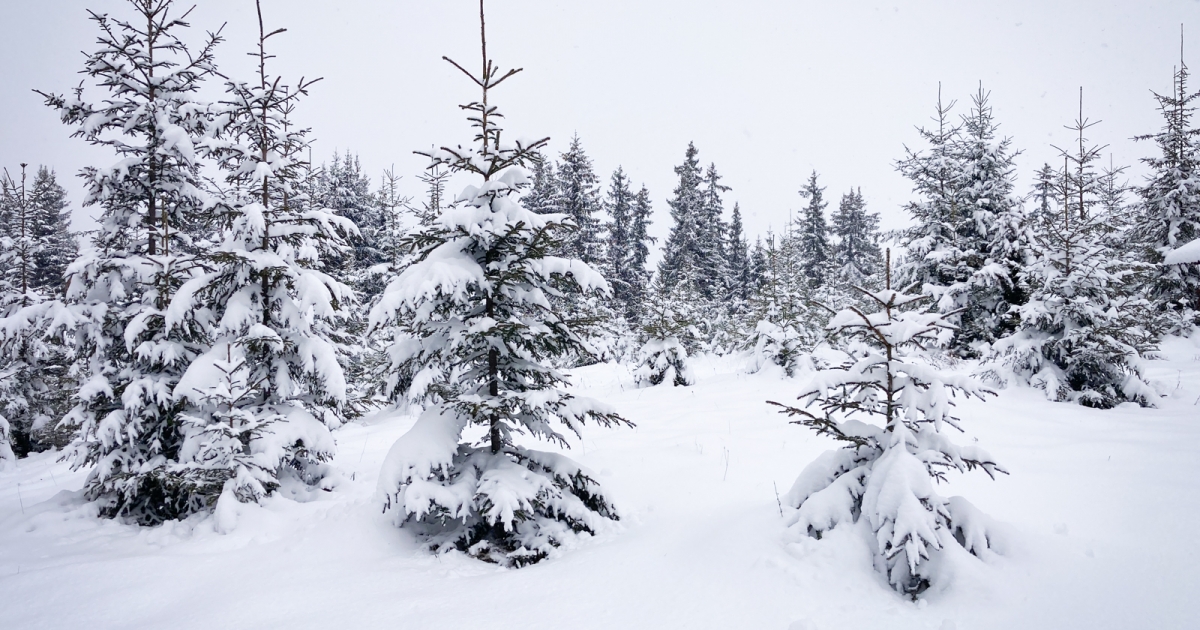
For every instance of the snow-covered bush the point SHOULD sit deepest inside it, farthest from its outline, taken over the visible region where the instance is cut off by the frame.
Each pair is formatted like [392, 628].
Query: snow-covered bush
[890, 407]
[668, 327]
[614, 340]
[663, 361]
[479, 334]
[778, 345]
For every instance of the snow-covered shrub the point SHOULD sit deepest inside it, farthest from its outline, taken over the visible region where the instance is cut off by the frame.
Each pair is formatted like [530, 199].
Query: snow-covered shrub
[614, 341]
[481, 333]
[775, 344]
[663, 361]
[668, 327]
[890, 408]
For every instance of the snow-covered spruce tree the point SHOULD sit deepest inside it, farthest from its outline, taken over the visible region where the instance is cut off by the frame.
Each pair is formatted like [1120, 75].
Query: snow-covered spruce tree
[993, 232]
[130, 424]
[10, 298]
[1045, 187]
[1170, 214]
[812, 235]
[669, 330]
[711, 266]
[20, 385]
[637, 275]
[393, 206]
[475, 302]
[934, 259]
[1085, 325]
[435, 199]
[35, 350]
[857, 259]
[619, 204]
[346, 190]
[932, 242]
[628, 282]
[739, 285]
[1122, 215]
[679, 259]
[267, 390]
[890, 407]
[19, 254]
[52, 230]
[969, 242]
[543, 195]
[758, 265]
[579, 199]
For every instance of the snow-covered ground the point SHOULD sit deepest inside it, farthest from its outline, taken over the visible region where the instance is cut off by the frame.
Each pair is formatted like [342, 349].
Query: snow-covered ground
[1102, 510]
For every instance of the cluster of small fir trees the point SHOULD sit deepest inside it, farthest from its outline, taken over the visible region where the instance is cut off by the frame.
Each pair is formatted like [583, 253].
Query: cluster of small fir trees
[758, 299]
[36, 246]
[610, 233]
[1062, 288]
[202, 317]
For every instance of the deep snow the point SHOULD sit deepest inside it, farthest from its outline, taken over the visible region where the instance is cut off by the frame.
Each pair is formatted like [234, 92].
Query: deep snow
[1100, 513]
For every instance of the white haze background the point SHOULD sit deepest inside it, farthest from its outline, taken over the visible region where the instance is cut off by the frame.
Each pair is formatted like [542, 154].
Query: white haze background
[767, 90]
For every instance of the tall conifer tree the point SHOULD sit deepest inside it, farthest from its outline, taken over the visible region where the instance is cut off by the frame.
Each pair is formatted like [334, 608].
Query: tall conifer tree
[35, 350]
[812, 234]
[857, 259]
[711, 237]
[738, 279]
[268, 388]
[478, 333]
[1171, 200]
[623, 276]
[52, 220]
[144, 251]
[543, 194]
[579, 199]
[680, 260]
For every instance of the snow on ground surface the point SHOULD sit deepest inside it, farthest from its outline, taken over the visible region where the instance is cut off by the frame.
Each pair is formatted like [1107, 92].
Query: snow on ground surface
[1102, 509]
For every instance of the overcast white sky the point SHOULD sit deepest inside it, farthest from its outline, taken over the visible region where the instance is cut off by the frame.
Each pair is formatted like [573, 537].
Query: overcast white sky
[767, 90]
